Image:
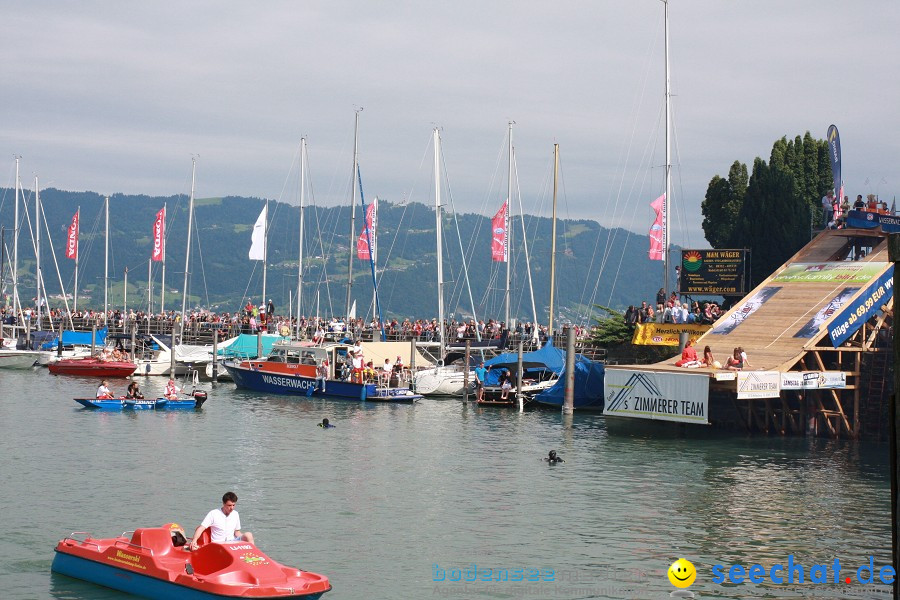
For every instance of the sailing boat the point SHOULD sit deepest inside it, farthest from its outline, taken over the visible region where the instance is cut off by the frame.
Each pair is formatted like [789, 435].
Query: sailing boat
[450, 377]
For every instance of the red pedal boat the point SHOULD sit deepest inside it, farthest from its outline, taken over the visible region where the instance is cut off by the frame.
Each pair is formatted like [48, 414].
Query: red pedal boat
[149, 564]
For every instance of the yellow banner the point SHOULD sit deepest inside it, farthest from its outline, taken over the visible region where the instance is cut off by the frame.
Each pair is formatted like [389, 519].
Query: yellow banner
[665, 334]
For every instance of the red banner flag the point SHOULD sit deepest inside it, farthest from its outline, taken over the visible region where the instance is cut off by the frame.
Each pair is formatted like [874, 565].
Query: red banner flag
[159, 236]
[362, 244]
[498, 234]
[657, 230]
[72, 239]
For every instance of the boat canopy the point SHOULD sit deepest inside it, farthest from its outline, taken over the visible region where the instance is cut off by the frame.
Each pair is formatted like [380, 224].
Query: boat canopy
[76, 338]
[549, 358]
[244, 345]
[588, 386]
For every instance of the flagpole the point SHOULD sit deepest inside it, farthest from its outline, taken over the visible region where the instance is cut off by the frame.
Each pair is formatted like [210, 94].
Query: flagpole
[665, 204]
[438, 228]
[149, 287]
[77, 233]
[106, 264]
[187, 254]
[162, 285]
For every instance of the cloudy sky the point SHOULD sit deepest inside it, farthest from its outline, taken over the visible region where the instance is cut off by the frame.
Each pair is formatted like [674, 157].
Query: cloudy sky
[117, 97]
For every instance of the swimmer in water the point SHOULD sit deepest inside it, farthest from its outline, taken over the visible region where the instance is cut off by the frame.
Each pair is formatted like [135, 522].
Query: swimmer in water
[325, 424]
[552, 458]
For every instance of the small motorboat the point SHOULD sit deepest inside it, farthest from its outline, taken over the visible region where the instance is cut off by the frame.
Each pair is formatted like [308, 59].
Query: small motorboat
[150, 564]
[18, 359]
[92, 367]
[195, 400]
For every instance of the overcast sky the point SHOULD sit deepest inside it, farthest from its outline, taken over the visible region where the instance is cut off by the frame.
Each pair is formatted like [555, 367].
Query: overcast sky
[116, 97]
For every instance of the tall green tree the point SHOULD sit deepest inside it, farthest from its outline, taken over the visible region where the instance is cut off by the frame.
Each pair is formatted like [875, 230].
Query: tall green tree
[724, 198]
[773, 221]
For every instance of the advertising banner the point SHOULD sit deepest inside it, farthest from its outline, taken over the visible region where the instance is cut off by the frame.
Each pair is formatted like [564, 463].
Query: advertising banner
[713, 272]
[747, 308]
[860, 310]
[660, 396]
[159, 236]
[665, 334]
[812, 326]
[836, 272]
[800, 380]
[658, 229]
[758, 384]
[72, 239]
[498, 234]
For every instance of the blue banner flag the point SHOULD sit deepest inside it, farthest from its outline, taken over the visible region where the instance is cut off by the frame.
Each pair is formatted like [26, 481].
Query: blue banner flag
[834, 152]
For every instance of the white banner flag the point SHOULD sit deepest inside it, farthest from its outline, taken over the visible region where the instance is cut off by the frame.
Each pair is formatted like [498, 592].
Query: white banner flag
[258, 237]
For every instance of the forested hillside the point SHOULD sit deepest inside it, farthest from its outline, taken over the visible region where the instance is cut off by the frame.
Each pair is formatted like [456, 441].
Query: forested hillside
[594, 264]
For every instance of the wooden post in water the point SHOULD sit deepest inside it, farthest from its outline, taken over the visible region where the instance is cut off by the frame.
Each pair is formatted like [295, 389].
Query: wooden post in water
[259, 343]
[519, 378]
[133, 339]
[215, 362]
[93, 337]
[894, 409]
[569, 404]
[466, 371]
[412, 364]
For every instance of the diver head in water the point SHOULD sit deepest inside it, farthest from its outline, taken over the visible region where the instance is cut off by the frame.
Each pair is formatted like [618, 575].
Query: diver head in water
[325, 424]
[553, 458]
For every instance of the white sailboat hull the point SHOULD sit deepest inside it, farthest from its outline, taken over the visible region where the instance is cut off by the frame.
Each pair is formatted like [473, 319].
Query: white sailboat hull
[443, 381]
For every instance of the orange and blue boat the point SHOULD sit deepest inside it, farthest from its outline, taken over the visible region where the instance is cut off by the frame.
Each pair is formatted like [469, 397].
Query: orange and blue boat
[148, 563]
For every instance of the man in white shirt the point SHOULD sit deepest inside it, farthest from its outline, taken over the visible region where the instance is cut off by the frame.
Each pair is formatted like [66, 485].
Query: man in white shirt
[224, 524]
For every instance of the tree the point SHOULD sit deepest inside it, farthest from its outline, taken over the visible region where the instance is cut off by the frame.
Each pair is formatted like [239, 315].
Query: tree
[724, 198]
[774, 221]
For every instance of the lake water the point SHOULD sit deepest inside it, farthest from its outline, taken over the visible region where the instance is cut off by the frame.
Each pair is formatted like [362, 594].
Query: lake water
[402, 501]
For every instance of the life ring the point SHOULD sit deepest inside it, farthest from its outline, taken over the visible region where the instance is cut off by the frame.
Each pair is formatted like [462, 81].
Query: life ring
[285, 331]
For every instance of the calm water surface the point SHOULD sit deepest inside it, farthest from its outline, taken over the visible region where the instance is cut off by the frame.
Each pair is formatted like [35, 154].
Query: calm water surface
[397, 496]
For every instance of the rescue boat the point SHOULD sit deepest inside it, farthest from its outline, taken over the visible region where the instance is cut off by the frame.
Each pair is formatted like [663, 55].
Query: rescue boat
[148, 563]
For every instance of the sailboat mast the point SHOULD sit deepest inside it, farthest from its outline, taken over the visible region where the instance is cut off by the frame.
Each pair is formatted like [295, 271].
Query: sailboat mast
[438, 217]
[300, 253]
[37, 247]
[15, 274]
[265, 260]
[187, 254]
[106, 263]
[506, 224]
[667, 199]
[553, 236]
[352, 215]
[162, 283]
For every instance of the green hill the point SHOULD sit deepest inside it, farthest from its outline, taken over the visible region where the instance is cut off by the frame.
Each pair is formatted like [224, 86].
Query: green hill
[223, 277]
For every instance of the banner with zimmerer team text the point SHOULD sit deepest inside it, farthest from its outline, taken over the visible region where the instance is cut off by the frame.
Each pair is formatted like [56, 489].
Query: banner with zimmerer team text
[665, 334]
[679, 397]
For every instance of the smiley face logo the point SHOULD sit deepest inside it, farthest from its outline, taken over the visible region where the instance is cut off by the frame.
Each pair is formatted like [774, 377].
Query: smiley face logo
[682, 573]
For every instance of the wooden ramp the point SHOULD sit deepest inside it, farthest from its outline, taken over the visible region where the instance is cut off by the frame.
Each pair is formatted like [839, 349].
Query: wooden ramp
[783, 324]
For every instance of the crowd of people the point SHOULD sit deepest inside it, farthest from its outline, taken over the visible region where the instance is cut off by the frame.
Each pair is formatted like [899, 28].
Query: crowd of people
[673, 310]
[834, 210]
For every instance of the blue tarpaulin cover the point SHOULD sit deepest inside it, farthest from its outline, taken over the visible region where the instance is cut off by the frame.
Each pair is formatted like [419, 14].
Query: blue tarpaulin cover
[77, 338]
[588, 386]
[548, 358]
[245, 345]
